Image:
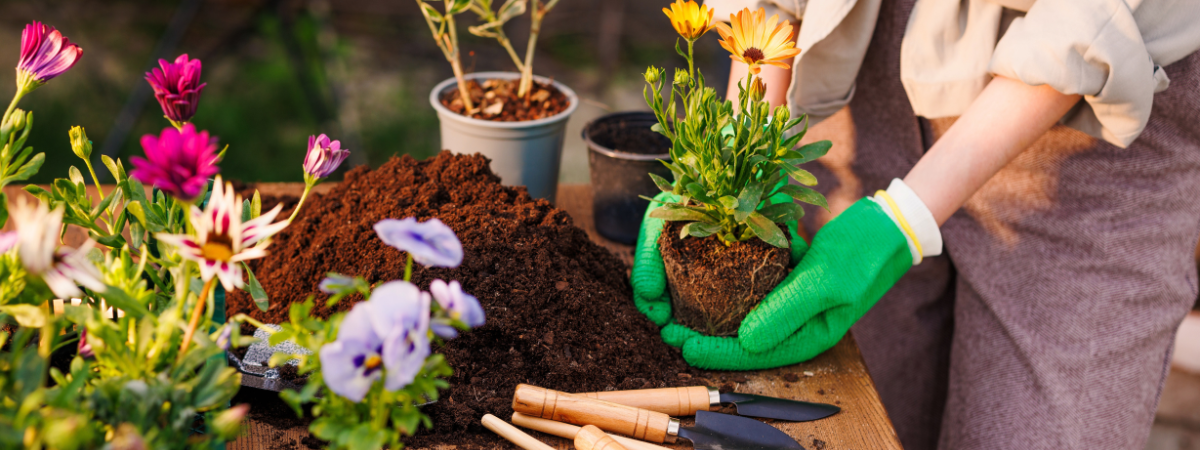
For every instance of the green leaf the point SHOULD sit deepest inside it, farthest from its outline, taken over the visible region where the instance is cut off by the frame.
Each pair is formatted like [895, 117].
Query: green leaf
[748, 201]
[114, 241]
[245, 211]
[783, 212]
[3, 209]
[766, 230]
[28, 169]
[135, 208]
[814, 150]
[255, 205]
[27, 315]
[699, 193]
[802, 176]
[805, 195]
[675, 213]
[430, 13]
[116, 171]
[122, 301]
[699, 229]
[256, 290]
[662, 183]
[458, 6]
[729, 201]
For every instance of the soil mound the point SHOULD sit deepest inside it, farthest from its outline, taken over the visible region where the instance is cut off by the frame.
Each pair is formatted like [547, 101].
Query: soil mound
[558, 306]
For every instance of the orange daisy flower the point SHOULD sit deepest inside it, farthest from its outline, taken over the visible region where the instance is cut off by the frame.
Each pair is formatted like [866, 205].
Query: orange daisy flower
[689, 19]
[755, 41]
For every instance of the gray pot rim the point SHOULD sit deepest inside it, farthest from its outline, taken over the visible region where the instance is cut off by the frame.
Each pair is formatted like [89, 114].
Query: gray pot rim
[593, 146]
[449, 83]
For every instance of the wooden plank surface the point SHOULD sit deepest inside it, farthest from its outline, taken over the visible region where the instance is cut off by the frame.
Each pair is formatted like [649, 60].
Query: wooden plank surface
[837, 376]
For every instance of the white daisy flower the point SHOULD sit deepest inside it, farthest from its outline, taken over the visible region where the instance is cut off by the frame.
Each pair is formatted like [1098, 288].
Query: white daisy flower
[64, 269]
[222, 240]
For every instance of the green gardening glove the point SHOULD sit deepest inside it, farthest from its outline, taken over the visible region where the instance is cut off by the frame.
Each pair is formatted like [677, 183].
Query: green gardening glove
[853, 261]
[649, 277]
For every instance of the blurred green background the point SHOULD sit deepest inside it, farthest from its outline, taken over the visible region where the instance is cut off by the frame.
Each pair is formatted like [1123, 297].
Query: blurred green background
[280, 70]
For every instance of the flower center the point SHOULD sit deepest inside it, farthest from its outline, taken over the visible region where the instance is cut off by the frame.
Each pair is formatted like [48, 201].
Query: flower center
[218, 247]
[753, 55]
[372, 363]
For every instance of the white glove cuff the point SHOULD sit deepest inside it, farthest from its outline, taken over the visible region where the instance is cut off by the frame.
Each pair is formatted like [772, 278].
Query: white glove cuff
[919, 219]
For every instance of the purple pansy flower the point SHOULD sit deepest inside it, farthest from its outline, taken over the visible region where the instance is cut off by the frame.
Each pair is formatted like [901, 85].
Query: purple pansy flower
[177, 87]
[402, 318]
[179, 162]
[386, 336]
[324, 156]
[7, 240]
[431, 243]
[354, 361]
[45, 54]
[458, 305]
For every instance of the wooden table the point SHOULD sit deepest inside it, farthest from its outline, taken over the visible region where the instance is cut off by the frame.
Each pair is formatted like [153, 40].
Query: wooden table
[837, 376]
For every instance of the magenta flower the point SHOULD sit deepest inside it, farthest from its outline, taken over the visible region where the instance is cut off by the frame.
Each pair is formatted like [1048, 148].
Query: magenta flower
[177, 87]
[178, 162]
[45, 54]
[85, 349]
[324, 156]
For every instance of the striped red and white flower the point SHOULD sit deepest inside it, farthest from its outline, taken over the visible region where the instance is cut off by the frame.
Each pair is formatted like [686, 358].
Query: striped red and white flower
[63, 268]
[221, 240]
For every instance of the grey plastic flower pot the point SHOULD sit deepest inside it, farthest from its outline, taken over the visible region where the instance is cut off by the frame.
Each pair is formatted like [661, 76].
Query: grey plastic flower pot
[522, 153]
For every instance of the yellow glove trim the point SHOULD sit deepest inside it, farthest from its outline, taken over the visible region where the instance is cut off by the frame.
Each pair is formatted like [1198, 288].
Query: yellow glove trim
[900, 218]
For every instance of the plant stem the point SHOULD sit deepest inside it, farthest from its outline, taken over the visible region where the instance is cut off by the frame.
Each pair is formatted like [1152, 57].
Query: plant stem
[691, 59]
[13, 105]
[408, 268]
[512, 53]
[535, 27]
[453, 55]
[196, 312]
[307, 187]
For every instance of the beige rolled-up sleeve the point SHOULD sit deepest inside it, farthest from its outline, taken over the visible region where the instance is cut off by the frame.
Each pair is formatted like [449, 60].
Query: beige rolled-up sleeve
[789, 10]
[833, 39]
[1109, 51]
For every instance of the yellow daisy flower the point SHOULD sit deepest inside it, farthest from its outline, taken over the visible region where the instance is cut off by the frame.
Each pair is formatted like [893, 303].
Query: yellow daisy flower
[689, 19]
[750, 39]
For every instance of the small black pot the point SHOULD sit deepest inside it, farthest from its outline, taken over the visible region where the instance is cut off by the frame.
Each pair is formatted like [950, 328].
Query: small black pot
[622, 152]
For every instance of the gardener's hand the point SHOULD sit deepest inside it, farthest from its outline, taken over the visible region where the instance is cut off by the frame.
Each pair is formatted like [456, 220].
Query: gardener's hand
[853, 260]
[649, 278]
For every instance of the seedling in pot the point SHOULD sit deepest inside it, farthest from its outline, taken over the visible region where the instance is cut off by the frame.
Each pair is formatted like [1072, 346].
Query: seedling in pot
[732, 166]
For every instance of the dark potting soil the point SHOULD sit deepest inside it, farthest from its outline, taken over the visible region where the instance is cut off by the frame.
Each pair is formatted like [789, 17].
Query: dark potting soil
[713, 287]
[558, 306]
[497, 100]
[625, 137]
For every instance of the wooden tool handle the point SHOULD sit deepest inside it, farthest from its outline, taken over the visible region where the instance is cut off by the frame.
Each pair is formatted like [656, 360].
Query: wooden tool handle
[513, 435]
[562, 407]
[566, 430]
[592, 438]
[676, 401]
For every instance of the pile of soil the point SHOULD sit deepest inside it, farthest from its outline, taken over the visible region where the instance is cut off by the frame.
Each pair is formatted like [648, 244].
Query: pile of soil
[558, 306]
[714, 287]
[497, 100]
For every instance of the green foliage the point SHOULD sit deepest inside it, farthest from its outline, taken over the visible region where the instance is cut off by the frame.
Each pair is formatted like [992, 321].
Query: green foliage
[726, 165]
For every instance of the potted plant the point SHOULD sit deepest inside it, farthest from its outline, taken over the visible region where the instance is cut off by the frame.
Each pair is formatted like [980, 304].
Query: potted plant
[622, 147]
[723, 246]
[514, 118]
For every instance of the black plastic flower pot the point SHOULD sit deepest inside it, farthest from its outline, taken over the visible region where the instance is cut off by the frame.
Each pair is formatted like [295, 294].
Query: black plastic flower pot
[622, 152]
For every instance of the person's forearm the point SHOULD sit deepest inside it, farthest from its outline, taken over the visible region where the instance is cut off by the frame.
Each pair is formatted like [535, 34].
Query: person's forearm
[1002, 122]
[777, 81]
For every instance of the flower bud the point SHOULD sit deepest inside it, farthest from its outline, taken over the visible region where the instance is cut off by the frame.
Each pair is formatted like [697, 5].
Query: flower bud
[85, 348]
[653, 74]
[13, 123]
[228, 423]
[80, 143]
[682, 78]
[758, 90]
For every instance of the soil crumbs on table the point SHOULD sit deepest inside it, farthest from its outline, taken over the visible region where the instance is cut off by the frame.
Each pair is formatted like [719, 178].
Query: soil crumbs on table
[558, 306]
[497, 100]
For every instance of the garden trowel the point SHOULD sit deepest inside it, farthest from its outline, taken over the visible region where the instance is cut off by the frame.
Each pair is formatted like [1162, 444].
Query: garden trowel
[713, 431]
[686, 401]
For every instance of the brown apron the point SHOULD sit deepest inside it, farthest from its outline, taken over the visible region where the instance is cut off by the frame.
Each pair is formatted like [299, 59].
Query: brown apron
[1048, 321]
